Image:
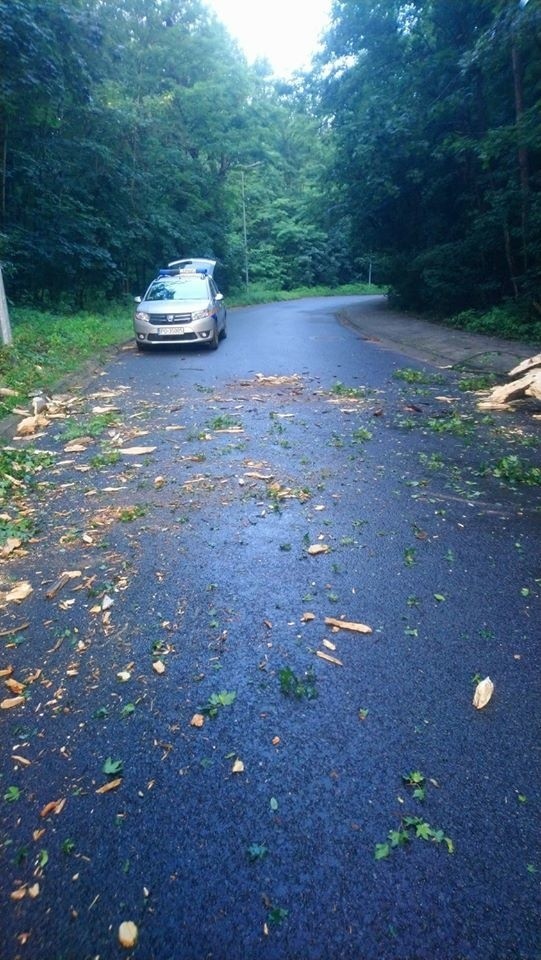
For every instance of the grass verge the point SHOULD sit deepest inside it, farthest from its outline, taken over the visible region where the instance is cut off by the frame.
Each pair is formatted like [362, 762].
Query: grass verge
[49, 346]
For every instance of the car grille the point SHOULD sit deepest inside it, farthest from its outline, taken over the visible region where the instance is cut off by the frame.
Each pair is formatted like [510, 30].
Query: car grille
[162, 319]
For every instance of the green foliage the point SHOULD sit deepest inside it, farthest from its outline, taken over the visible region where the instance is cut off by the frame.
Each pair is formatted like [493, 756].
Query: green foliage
[12, 794]
[277, 915]
[217, 701]
[256, 852]
[19, 467]
[411, 828]
[455, 424]
[511, 320]
[293, 686]
[417, 376]
[512, 469]
[339, 389]
[475, 382]
[435, 117]
[113, 768]
[361, 435]
[20, 527]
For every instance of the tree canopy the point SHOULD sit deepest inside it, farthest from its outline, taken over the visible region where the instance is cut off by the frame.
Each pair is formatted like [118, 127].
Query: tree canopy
[435, 108]
[133, 132]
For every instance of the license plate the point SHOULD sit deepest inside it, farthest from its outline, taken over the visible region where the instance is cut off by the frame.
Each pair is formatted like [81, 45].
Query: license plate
[173, 330]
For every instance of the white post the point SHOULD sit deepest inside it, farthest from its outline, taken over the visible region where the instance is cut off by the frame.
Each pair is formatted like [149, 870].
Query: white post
[5, 328]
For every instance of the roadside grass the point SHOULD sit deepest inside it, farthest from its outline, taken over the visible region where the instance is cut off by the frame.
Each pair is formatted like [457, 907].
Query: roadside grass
[48, 346]
[259, 293]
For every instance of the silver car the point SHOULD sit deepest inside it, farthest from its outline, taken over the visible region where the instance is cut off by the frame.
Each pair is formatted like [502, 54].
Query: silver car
[182, 305]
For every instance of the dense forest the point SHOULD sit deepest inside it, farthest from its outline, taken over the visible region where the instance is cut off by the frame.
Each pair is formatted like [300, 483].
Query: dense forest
[133, 132]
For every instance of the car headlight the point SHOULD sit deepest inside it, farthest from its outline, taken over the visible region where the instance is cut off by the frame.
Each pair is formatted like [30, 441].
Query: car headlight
[202, 314]
[140, 315]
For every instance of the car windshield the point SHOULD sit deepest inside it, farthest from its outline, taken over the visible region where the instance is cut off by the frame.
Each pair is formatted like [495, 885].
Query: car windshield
[178, 288]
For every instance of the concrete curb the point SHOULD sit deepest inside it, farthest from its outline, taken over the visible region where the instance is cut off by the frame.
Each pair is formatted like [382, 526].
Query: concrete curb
[432, 342]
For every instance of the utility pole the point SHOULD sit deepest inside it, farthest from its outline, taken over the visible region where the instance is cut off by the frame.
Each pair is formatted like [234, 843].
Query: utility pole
[5, 328]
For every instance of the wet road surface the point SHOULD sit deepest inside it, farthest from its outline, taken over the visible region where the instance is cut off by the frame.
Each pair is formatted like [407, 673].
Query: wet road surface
[259, 799]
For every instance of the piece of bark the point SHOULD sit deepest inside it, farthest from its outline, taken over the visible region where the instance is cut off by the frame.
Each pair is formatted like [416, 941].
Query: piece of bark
[526, 365]
[516, 389]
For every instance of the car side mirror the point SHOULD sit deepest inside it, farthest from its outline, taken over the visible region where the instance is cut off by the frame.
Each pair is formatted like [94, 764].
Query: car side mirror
[219, 296]
[137, 300]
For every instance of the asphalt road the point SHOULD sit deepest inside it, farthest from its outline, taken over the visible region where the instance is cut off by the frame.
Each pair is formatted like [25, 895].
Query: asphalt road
[364, 809]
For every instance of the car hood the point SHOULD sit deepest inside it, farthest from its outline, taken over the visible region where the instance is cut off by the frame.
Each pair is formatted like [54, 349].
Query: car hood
[166, 307]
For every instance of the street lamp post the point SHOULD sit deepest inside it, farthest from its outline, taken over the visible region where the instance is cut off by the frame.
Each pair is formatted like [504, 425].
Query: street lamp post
[244, 230]
[243, 170]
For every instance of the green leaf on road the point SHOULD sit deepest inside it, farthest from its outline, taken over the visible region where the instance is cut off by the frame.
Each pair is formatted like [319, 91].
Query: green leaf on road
[112, 767]
[12, 794]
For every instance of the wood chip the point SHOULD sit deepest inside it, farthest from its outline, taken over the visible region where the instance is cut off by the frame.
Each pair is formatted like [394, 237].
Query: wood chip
[136, 451]
[11, 702]
[317, 548]
[127, 934]
[347, 625]
[20, 592]
[19, 759]
[483, 693]
[329, 658]
[111, 785]
[54, 806]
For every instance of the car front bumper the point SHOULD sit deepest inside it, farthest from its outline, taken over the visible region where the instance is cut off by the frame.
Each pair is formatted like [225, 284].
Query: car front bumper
[154, 334]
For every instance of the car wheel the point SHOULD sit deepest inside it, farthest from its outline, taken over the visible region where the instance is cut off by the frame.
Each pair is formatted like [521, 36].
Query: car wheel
[213, 345]
[223, 334]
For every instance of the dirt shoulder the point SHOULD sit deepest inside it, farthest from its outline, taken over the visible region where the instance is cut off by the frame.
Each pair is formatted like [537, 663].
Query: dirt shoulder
[433, 342]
